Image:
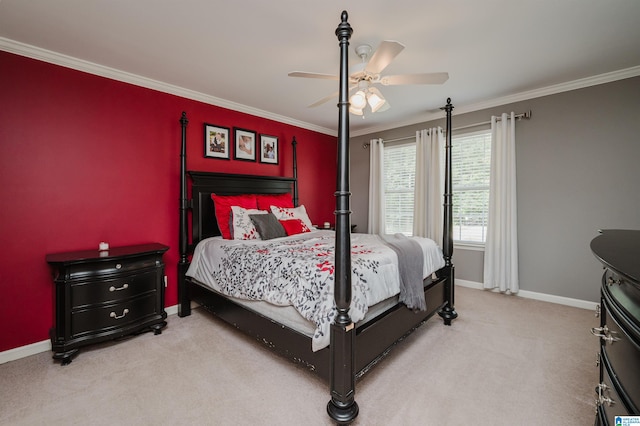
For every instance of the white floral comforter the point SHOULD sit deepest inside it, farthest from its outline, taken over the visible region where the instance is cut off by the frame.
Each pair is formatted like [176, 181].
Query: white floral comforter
[298, 271]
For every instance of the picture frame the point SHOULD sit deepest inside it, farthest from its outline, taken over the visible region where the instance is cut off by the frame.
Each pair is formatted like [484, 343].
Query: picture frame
[216, 141]
[245, 144]
[269, 149]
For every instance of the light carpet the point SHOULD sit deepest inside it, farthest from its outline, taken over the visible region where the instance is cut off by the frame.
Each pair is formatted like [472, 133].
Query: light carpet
[505, 361]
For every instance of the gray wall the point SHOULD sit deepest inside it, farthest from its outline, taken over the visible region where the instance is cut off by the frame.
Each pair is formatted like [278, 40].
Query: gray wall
[578, 167]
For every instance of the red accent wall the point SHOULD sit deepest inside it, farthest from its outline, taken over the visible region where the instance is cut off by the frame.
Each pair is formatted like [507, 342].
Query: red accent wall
[85, 159]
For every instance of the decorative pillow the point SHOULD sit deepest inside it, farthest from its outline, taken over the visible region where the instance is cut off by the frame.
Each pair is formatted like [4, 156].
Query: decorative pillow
[283, 213]
[243, 228]
[294, 226]
[222, 205]
[268, 226]
[267, 200]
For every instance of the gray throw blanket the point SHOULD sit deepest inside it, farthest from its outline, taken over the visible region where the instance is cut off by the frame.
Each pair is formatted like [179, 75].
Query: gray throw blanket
[410, 267]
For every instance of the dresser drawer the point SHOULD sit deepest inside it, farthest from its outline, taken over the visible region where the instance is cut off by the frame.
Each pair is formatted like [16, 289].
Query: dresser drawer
[622, 354]
[609, 401]
[94, 320]
[624, 295]
[85, 293]
[110, 266]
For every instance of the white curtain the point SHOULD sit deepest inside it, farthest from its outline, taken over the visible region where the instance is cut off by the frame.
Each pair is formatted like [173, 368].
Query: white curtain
[501, 247]
[429, 185]
[376, 187]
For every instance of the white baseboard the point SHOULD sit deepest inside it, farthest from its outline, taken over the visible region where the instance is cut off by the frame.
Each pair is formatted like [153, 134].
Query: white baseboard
[45, 345]
[560, 300]
[25, 351]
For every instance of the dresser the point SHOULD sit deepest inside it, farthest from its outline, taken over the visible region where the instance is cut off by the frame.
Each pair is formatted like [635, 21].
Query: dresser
[618, 390]
[105, 295]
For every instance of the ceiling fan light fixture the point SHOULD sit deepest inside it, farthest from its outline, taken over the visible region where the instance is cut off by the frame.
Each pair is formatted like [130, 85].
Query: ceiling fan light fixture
[356, 111]
[385, 106]
[375, 101]
[358, 100]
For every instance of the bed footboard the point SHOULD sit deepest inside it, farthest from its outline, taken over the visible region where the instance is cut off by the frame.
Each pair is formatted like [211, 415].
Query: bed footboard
[374, 339]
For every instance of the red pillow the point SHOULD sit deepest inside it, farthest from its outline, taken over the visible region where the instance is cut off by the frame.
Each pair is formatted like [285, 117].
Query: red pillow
[222, 205]
[294, 226]
[265, 201]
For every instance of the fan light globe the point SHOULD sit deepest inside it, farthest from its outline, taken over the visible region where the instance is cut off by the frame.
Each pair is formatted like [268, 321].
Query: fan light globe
[376, 102]
[355, 111]
[358, 100]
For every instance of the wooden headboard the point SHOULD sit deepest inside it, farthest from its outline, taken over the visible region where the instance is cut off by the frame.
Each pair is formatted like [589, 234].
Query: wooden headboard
[203, 218]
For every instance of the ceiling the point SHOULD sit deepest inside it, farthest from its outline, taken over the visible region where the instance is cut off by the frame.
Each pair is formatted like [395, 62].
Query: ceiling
[237, 53]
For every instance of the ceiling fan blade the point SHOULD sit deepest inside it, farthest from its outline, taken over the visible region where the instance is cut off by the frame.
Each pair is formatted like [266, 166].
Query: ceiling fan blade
[429, 78]
[325, 99]
[383, 56]
[328, 98]
[312, 75]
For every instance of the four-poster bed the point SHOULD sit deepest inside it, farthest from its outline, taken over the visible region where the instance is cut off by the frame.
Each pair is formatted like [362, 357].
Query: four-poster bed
[353, 349]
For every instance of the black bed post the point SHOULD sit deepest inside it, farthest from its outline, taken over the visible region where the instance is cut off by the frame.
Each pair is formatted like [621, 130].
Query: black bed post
[342, 407]
[448, 312]
[294, 144]
[184, 305]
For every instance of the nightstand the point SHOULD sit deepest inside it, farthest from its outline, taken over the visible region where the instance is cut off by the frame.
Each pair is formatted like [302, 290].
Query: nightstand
[104, 295]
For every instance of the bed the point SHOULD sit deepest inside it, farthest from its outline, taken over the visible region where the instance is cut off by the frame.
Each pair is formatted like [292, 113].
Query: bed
[282, 329]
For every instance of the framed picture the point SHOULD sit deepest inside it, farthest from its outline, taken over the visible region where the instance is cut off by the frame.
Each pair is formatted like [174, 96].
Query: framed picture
[268, 149]
[216, 141]
[245, 144]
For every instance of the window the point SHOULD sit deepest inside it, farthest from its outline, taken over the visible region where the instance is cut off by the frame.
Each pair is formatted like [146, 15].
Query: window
[399, 180]
[471, 158]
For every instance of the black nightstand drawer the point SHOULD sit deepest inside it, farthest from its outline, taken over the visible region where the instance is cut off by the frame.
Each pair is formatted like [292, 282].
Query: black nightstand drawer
[117, 315]
[110, 266]
[94, 263]
[123, 287]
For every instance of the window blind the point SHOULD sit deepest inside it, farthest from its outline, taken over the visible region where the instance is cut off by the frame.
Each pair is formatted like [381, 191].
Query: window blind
[471, 158]
[399, 181]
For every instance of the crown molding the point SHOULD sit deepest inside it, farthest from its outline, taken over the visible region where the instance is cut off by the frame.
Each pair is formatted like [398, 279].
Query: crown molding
[517, 97]
[56, 58]
[555, 89]
[60, 59]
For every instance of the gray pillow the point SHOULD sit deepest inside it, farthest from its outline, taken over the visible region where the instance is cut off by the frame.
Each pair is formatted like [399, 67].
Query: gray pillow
[267, 226]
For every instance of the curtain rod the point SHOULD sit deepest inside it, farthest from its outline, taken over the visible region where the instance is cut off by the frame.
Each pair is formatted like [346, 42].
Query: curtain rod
[525, 115]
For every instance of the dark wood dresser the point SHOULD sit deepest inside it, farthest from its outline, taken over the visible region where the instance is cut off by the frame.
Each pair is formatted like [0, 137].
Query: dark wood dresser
[104, 295]
[618, 393]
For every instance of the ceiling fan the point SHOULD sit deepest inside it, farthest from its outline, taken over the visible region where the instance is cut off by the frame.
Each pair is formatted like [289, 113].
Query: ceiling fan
[366, 74]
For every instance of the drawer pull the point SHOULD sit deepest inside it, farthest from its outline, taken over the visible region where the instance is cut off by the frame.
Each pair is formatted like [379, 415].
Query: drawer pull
[114, 315]
[605, 334]
[604, 399]
[124, 287]
[612, 281]
[118, 266]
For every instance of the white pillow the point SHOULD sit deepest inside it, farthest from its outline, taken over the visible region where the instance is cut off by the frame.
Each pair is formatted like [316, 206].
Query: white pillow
[242, 228]
[283, 213]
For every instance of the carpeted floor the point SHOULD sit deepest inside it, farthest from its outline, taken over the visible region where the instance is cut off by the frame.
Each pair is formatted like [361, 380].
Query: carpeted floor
[505, 361]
